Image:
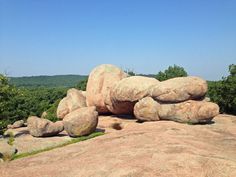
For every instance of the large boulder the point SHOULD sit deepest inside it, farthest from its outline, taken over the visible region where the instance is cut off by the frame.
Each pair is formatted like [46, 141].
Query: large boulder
[82, 121]
[127, 92]
[189, 111]
[100, 81]
[147, 110]
[39, 127]
[75, 99]
[6, 151]
[179, 89]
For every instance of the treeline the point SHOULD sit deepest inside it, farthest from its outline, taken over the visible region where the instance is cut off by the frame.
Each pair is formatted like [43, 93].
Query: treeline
[47, 81]
[17, 102]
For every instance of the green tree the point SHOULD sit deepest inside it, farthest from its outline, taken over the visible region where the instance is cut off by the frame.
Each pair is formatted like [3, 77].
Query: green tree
[82, 84]
[52, 112]
[130, 72]
[224, 92]
[7, 102]
[171, 72]
[16, 104]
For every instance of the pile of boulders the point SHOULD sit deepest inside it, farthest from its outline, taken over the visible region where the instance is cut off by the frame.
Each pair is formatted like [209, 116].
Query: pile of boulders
[179, 99]
[111, 91]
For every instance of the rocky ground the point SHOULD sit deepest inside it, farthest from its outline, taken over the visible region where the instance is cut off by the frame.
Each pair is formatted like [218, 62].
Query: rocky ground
[162, 148]
[24, 142]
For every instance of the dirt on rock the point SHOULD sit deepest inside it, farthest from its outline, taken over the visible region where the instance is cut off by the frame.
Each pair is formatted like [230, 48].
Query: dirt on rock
[132, 149]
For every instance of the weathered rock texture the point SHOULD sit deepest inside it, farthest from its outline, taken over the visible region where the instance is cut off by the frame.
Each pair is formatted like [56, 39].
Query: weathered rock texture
[100, 81]
[127, 92]
[39, 127]
[147, 110]
[163, 149]
[82, 121]
[110, 90]
[179, 89]
[75, 99]
[189, 111]
[17, 124]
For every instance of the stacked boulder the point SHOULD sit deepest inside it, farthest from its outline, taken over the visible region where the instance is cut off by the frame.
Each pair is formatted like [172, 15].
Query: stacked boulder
[180, 99]
[75, 99]
[78, 119]
[100, 82]
[125, 93]
[111, 90]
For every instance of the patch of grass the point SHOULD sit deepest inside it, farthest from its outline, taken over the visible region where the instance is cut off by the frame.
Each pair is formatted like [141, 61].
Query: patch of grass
[11, 139]
[75, 140]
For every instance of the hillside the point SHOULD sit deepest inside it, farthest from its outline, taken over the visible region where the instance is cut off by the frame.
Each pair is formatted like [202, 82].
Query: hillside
[47, 81]
[51, 81]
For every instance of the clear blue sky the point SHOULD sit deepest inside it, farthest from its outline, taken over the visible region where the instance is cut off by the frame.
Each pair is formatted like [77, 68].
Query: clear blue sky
[49, 37]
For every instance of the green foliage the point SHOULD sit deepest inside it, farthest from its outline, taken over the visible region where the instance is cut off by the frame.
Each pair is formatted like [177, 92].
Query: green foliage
[47, 81]
[7, 101]
[17, 104]
[224, 92]
[232, 70]
[171, 72]
[36, 101]
[130, 72]
[52, 112]
[11, 139]
[82, 84]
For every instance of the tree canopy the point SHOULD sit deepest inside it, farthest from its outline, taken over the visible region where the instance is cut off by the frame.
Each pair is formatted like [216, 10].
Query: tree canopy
[223, 92]
[16, 104]
[171, 72]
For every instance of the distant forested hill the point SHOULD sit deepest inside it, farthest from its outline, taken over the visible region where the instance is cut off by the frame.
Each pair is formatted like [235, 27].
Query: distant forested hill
[47, 81]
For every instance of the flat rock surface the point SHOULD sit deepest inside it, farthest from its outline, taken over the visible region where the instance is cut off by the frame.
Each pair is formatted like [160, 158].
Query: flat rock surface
[163, 148]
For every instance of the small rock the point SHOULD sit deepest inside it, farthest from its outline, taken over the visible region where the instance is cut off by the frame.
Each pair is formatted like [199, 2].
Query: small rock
[147, 110]
[9, 126]
[17, 124]
[42, 127]
[44, 114]
[207, 99]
